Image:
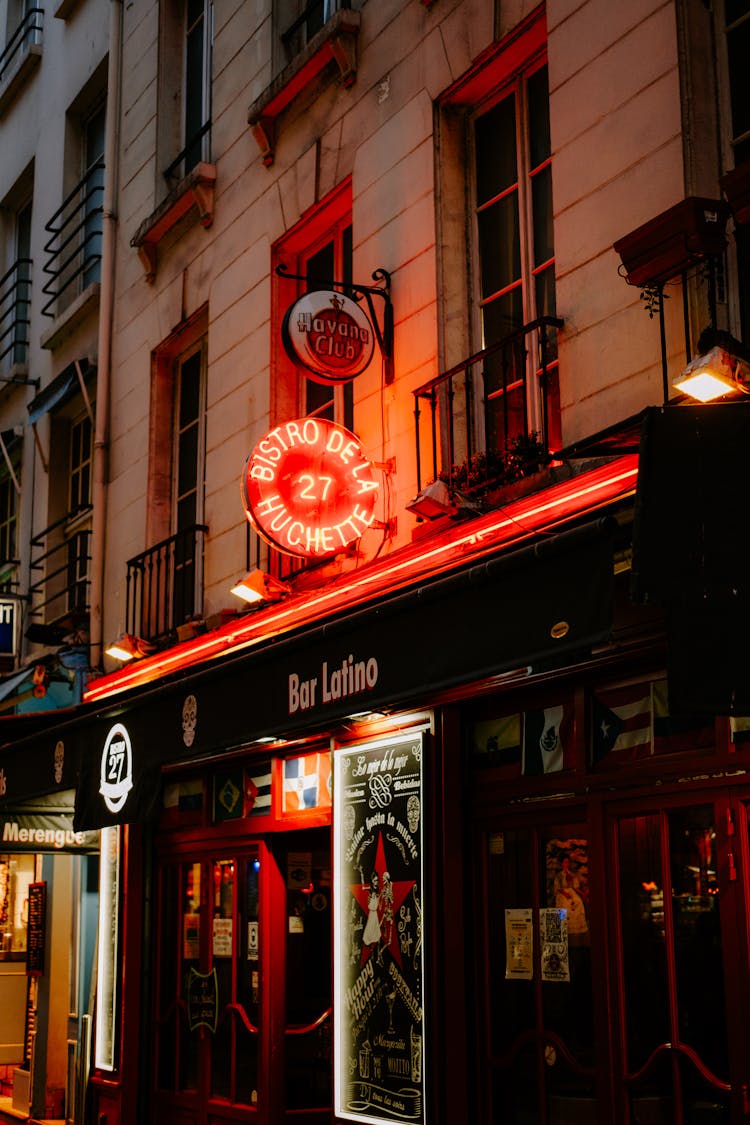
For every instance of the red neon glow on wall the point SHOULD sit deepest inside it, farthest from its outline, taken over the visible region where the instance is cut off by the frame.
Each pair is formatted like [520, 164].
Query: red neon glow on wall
[465, 543]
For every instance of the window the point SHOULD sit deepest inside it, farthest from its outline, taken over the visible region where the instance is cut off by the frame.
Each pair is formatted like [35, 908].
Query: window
[299, 20]
[513, 222]
[737, 30]
[496, 198]
[10, 470]
[93, 193]
[15, 291]
[79, 505]
[184, 124]
[319, 249]
[165, 582]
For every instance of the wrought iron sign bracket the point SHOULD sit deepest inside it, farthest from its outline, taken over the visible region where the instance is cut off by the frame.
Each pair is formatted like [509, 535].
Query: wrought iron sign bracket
[384, 333]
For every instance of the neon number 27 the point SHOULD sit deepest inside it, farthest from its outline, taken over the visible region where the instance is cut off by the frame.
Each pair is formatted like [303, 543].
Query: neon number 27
[306, 492]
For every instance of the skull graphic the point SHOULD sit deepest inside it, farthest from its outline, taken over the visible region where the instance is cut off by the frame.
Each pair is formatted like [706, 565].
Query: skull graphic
[59, 761]
[189, 719]
[413, 809]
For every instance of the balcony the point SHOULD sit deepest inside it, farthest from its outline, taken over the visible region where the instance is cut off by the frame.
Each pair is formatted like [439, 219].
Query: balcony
[324, 36]
[73, 248]
[61, 557]
[493, 418]
[165, 586]
[15, 302]
[21, 56]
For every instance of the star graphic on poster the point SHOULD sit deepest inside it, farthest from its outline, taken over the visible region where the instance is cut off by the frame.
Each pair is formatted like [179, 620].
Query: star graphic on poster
[387, 901]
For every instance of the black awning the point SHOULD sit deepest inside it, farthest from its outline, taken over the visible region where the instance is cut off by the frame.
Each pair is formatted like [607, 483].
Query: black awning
[537, 604]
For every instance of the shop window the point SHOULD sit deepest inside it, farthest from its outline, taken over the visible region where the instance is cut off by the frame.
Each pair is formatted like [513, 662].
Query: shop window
[632, 722]
[499, 113]
[16, 875]
[319, 249]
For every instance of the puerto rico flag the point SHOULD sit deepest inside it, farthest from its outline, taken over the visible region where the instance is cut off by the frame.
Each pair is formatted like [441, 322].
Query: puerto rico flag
[307, 783]
[622, 722]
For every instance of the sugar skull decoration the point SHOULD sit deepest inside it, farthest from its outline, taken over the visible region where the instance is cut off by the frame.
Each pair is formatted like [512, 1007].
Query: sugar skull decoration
[189, 719]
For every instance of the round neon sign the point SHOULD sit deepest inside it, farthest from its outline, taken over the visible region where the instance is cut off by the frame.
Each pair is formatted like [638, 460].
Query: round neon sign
[329, 335]
[308, 488]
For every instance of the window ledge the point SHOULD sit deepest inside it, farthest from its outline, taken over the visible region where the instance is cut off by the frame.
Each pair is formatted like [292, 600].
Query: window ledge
[19, 75]
[334, 43]
[65, 8]
[196, 190]
[68, 321]
[17, 373]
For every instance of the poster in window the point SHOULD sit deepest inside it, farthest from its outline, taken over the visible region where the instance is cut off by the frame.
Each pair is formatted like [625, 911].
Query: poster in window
[378, 938]
[519, 944]
[567, 864]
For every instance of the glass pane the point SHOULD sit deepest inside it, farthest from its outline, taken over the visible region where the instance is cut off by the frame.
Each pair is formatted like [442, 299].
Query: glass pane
[495, 142]
[222, 949]
[541, 201]
[189, 390]
[643, 937]
[510, 1003]
[308, 969]
[697, 936]
[738, 47]
[499, 245]
[538, 100]
[248, 988]
[194, 95]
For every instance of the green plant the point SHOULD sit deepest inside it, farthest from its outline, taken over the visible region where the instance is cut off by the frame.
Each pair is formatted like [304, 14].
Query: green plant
[491, 468]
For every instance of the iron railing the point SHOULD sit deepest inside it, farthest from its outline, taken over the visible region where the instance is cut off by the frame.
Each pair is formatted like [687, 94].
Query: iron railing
[15, 302]
[74, 246]
[490, 411]
[165, 585]
[198, 148]
[311, 19]
[62, 559]
[27, 34]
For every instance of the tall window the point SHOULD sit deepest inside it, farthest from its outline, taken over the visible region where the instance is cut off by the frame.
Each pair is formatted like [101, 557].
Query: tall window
[22, 282]
[10, 470]
[79, 503]
[93, 193]
[513, 216]
[737, 30]
[198, 33]
[188, 477]
[319, 249]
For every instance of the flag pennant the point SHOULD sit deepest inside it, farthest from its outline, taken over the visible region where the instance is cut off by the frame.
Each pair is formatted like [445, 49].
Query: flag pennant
[546, 733]
[258, 789]
[622, 722]
[678, 733]
[498, 741]
[307, 783]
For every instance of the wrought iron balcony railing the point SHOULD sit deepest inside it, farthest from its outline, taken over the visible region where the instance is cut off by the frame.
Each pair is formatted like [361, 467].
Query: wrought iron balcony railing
[165, 585]
[74, 246]
[313, 17]
[493, 416]
[27, 34]
[198, 148]
[61, 556]
[15, 302]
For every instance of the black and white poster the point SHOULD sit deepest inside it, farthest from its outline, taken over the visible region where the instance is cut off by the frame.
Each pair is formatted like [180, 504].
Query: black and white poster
[378, 938]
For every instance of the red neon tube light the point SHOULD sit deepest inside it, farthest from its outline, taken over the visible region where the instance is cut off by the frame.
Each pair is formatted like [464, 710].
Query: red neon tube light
[464, 543]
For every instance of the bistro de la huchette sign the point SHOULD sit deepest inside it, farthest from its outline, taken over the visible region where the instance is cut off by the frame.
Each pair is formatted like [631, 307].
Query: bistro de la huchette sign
[308, 488]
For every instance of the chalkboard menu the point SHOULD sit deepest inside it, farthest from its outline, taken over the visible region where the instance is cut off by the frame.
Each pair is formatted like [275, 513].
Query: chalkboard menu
[202, 1000]
[379, 1066]
[36, 929]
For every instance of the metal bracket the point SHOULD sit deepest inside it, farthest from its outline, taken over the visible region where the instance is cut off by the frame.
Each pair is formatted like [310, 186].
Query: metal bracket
[383, 335]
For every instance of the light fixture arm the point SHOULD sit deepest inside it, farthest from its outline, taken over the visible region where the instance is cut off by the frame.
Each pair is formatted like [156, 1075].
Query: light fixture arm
[384, 334]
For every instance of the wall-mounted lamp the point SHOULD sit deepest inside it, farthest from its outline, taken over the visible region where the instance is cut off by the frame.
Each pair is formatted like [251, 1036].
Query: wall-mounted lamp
[433, 501]
[257, 586]
[129, 647]
[713, 374]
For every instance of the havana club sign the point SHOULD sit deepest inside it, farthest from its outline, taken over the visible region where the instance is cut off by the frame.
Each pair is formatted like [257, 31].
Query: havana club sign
[329, 335]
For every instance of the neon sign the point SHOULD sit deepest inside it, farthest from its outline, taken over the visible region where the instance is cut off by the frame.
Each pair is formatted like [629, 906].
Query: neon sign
[329, 335]
[308, 488]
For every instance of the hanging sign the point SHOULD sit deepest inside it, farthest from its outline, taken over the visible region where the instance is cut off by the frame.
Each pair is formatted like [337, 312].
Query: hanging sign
[378, 934]
[202, 1000]
[309, 489]
[329, 335]
[36, 929]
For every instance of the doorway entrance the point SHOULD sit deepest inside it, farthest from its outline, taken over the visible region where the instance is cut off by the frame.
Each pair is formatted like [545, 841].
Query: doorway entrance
[614, 947]
[241, 1015]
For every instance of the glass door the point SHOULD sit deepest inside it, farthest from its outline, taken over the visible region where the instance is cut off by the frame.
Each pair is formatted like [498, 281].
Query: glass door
[242, 983]
[538, 1042]
[207, 989]
[681, 963]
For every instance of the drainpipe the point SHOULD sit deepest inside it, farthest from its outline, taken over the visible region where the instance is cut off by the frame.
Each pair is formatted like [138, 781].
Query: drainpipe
[106, 312]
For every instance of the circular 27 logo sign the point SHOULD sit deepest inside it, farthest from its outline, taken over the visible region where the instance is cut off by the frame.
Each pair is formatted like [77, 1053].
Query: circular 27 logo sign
[308, 488]
[116, 768]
